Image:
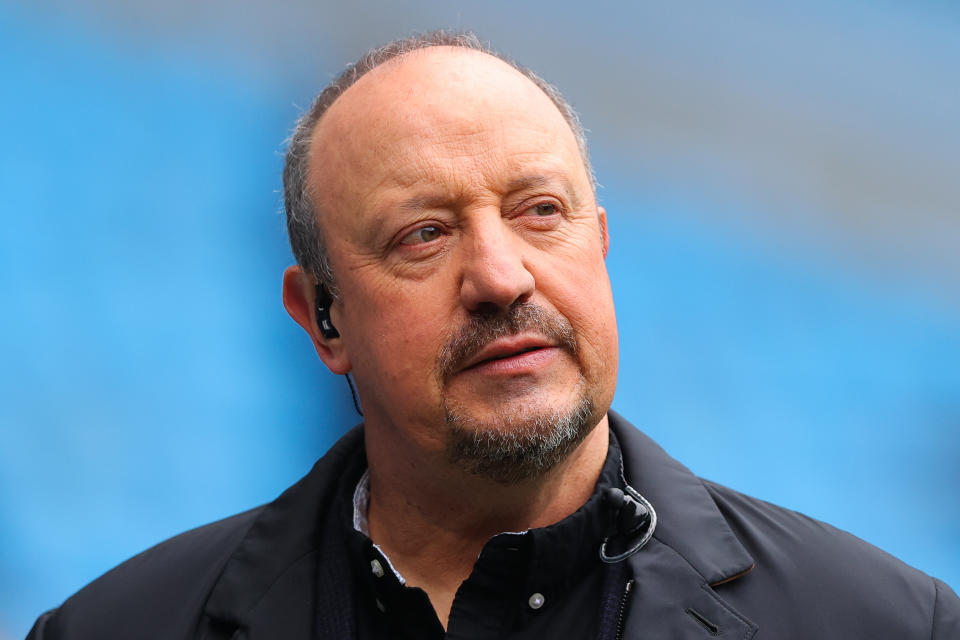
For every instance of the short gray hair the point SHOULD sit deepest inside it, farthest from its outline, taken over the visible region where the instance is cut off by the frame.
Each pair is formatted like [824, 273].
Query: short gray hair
[303, 227]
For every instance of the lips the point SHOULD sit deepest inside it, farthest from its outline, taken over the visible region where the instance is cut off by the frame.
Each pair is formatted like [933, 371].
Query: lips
[518, 340]
[507, 347]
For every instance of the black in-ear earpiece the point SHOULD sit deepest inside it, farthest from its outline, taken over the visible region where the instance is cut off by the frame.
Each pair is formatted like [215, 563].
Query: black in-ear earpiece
[324, 300]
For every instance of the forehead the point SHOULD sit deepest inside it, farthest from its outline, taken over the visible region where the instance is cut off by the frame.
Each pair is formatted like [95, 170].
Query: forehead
[440, 114]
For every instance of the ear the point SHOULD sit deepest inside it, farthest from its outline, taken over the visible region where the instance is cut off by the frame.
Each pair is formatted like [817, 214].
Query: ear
[299, 293]
[604, 232]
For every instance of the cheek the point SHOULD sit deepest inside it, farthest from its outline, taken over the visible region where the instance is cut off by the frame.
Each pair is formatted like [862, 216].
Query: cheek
[394, 342]
[582, 294]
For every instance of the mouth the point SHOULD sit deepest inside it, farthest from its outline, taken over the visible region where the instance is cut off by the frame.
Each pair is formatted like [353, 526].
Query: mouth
[511, 353]
[522, 340]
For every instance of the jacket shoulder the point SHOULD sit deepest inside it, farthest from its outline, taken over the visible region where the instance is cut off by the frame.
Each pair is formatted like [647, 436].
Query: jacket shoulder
[844, 584]
[196, 582]
[159, 593]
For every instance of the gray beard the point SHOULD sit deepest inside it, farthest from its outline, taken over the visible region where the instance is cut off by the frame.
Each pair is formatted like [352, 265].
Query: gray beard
[512, 448]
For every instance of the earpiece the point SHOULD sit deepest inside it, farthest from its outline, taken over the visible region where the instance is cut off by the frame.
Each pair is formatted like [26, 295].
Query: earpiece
[324, 300]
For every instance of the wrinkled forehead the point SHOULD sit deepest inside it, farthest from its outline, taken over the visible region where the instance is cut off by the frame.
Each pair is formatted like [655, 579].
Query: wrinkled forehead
[466, 101]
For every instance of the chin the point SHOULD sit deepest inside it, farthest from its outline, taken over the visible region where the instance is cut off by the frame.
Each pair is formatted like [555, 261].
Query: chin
[518, 442]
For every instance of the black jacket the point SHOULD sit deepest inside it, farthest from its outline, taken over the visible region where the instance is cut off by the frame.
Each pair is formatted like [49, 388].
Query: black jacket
[720, 564]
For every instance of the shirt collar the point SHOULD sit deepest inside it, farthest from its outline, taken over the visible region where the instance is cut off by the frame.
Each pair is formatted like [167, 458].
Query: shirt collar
[554, 556]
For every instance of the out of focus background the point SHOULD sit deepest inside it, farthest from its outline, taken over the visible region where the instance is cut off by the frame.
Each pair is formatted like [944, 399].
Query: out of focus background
[783, 184]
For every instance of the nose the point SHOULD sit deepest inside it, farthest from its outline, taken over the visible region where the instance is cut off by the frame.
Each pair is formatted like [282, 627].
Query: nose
[494, 273]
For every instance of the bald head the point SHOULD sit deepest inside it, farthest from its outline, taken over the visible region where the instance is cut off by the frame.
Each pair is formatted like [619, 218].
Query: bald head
[460, 63]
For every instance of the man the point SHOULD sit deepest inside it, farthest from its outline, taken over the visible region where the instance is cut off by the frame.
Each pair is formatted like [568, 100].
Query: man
[451, 259]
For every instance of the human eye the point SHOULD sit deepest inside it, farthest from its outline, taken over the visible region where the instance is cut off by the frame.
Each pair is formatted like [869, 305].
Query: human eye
[422, 235]
[544, 209]
[540, 213]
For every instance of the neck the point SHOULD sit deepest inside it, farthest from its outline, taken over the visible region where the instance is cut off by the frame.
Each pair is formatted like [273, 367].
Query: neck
[432, 518]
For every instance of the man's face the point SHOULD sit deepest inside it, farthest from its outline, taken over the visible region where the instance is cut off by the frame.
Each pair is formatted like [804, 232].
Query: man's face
[468, 249]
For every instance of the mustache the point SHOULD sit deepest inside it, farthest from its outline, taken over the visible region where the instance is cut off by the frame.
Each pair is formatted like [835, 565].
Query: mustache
[484, 328]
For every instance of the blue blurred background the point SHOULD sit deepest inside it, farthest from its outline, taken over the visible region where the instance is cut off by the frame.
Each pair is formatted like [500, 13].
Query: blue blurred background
[782, 181]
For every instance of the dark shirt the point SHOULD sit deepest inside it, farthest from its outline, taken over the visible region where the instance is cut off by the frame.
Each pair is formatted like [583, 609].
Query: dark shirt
[541, 583]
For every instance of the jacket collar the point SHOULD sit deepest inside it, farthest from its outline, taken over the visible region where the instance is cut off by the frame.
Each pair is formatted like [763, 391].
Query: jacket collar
[293, 555]
[688, 520]
[692, 550]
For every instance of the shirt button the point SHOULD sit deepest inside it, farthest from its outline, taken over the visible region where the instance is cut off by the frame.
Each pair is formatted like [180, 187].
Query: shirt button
[376, 568]
[536, 601]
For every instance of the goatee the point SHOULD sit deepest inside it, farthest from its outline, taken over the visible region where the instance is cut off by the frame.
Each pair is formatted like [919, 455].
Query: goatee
[513, 445]
[515, 448]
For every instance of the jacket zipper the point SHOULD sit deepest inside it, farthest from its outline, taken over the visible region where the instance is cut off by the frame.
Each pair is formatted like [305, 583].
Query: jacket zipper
[623, 608]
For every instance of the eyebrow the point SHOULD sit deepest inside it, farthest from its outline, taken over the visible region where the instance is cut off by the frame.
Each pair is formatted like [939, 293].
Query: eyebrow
[420, 202]
[534, 181]
[574, 199]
